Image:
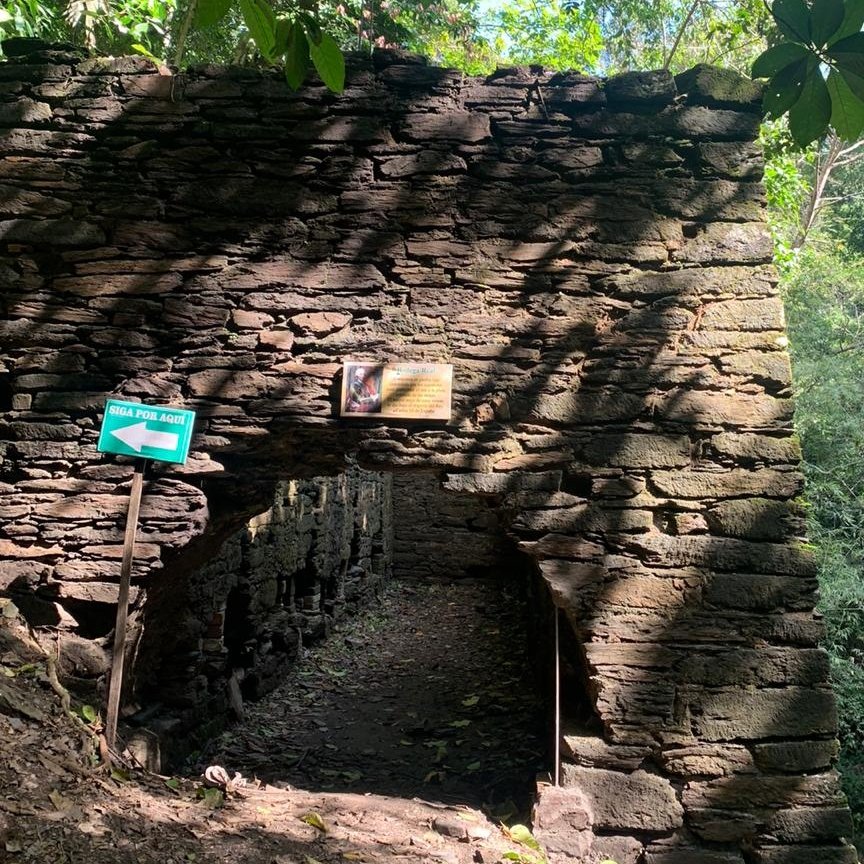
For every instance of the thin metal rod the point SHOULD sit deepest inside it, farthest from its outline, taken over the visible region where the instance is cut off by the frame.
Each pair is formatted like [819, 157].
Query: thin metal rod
[116, 684]
[557, 702]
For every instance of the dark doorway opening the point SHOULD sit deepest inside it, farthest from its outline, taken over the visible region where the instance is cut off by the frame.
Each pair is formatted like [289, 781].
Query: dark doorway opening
[435, 688]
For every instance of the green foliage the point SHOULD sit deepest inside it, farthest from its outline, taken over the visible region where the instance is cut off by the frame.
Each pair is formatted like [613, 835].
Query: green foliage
[554, 34]
[822, 36]
[824, 293]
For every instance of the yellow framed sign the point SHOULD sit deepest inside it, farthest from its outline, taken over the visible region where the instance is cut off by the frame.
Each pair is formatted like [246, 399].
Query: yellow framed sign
[396, 391]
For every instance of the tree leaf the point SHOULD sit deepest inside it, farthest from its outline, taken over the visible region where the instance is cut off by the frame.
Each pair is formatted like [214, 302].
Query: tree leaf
[329, 61]
[88, 712]
[810, 115]
[212, 798]
[784, 88]
[826, 16]
[853, 21]
[772, 61]
[855, 82]
[296, 56]
[847, 110]
[793, 19]
[522, 834]
[210, 12]
[313, 28]
[848, 54]
[315, 820]
[260, 20]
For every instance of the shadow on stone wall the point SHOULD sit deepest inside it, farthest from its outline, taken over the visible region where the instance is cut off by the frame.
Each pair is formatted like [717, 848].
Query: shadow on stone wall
[594, 262]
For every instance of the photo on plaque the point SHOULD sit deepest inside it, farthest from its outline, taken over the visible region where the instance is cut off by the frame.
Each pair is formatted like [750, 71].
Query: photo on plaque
[397, 391]
[362, 388]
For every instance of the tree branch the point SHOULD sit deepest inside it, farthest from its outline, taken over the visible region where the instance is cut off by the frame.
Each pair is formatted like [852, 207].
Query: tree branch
[680, 35]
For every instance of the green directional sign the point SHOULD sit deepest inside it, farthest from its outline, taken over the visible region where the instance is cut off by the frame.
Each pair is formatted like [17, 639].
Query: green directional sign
[150, 431]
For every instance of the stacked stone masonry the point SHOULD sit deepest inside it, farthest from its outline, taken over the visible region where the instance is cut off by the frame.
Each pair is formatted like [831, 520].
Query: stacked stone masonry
[322, 549]
[439, 535]
[590, 255]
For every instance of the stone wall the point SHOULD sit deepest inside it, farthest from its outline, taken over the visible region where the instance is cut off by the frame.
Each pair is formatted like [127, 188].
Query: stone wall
[232, 628]
[440, 535]
[592, 258]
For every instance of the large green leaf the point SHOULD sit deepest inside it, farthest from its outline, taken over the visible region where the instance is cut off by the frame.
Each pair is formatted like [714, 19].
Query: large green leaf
[770, 62]
[210, 12]
[296, 56]
[847, 110]
[260, 20]
[854, 81]
[810, 115]
[853, 22]
[329, 61]
[848, 54]
[826, 16]
[793, 19]
[313, 28]
[784, 88]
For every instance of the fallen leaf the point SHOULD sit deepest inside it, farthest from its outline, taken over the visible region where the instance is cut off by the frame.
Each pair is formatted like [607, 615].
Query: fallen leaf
[59, 801]
[212, 798]
[315, 820]
[522, 834]
[471, 701]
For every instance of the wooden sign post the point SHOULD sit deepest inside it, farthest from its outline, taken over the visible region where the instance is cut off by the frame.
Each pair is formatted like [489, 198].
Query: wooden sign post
[116, 683]
[158, 432]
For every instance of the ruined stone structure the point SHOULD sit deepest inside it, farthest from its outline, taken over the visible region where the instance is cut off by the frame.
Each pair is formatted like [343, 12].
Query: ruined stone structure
[592, 258]
[320, 550]
[439, 535]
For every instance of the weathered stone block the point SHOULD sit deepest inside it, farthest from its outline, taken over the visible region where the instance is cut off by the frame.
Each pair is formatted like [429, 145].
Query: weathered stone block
[690, 855]
[653, 88]
[562, 821]
[757, 448]
[769, 368]
[593, 752]
[454, 126]
[795, 756]
[727, 484]
[54, 232]
[728, 242]
[639, 451]
[809, 824]
[716, 87]
[709, 408]
[805, 855]
[723, 554]
[639, 801]
[756, 519]
[497, 484]
[227, 384]
[748, 791]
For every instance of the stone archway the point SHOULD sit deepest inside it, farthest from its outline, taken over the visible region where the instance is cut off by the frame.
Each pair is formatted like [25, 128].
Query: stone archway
[591, 256]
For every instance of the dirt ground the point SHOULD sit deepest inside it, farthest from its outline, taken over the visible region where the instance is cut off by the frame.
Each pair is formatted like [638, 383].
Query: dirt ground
[408, 736]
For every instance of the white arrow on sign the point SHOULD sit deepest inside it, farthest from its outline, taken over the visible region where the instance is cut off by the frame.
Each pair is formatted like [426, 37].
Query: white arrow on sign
[138, 435]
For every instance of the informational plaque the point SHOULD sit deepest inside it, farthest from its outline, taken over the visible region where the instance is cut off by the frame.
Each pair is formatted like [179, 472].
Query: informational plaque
[397, 391]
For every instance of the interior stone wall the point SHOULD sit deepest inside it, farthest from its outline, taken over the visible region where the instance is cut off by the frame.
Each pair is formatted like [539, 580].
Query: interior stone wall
[440, 535]
[592, 258]
[231, 628]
